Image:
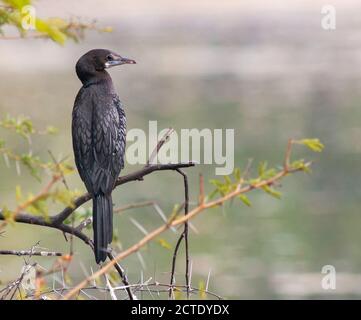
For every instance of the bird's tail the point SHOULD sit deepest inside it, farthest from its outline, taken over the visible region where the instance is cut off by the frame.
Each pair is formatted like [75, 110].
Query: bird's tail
[102, 225]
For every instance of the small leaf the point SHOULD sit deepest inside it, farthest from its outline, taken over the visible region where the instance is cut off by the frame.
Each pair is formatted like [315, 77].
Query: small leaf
[52, 130]
[106, 29]
[213, 194]
[201, 290]
[272, 192]
[18, 193]
[245, 200]
[67, 279]
[8, 215]
[178, 295]
[51, 30]
[262, 168]
[164, 243]
[237, 174]
[313, 144]
[227, 180]
[18, 4]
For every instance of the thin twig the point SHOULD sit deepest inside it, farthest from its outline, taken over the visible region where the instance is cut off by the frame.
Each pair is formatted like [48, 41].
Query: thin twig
[123, 276]
[159, 145]
[171, 282]
[30, 253]
[186, 209]
[201, 190]
[134, 205]
[184, 236]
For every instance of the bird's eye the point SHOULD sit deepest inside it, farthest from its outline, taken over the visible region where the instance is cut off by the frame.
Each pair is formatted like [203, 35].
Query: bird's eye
[109, 57]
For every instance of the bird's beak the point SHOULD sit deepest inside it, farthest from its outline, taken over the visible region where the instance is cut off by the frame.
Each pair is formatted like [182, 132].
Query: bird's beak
[119, 61]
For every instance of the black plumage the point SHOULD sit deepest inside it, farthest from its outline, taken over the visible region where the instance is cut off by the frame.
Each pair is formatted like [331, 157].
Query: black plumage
[99, 133]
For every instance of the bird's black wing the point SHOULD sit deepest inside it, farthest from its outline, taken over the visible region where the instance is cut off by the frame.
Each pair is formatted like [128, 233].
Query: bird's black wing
[121, 141]
[82, 137]
[99, 136]
[108, 135]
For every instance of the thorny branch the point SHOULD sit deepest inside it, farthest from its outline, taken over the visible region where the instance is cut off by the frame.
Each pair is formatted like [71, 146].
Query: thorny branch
[30, 253]
[57, 221]
[175, 221]
[147, 287]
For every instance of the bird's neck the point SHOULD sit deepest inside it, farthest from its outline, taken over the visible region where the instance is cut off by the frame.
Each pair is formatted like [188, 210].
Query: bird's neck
[99, 78]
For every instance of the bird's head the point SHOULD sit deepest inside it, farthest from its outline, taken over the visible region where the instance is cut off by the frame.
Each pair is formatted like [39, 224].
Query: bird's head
[95, 61]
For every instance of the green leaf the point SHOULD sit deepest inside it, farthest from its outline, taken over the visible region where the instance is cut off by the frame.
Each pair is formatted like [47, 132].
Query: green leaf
[51, 30]
[18, 193]
[164, 243]
[262, 168]
[40, 207]
[313, 144]
[245, 200]
[8, 215]
[202, 290]
[300, 165]
[213, 194]
[228, 180]
[178, 295]
[18, 4]
[30, 162]
[52, 130]
[272, 192]
[237, 174]
[65, 196]
[216, 183]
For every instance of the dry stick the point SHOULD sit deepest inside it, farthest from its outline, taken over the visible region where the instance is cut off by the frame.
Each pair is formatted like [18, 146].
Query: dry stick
[123, 276]
[36, 36]
[84, 224]
[171, 282]
[186, 209]
[286, 163]
[184, 234]
[201, 190]
[134, 176]
[195, 211]
[139, 287]
[134, 205]
[179, 287]
[30, 253]
[159, 145]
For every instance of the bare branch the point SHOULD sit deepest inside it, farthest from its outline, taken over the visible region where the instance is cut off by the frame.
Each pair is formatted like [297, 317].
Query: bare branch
[184, 235]
[159, 145]
[30, 253]
[135, 176]
[134, 206]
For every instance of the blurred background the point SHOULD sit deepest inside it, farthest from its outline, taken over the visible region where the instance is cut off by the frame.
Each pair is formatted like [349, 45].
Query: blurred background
[266, 69]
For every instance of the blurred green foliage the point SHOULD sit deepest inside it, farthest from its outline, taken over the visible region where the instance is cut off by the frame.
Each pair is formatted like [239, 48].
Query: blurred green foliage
[37, 204]
[16, 13]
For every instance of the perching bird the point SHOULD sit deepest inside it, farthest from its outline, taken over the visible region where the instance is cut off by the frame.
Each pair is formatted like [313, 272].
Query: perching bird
[99, 132]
